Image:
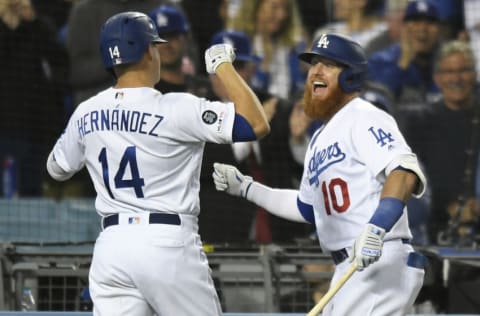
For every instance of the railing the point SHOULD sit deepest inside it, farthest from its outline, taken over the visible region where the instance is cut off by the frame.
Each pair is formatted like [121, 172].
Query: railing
[253, 279]
[46, 245]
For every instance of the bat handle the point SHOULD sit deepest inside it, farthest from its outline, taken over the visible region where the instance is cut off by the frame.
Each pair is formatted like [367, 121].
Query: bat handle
[332, 291]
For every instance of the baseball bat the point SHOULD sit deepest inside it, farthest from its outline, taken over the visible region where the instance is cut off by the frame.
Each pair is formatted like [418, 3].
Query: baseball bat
[332, 291]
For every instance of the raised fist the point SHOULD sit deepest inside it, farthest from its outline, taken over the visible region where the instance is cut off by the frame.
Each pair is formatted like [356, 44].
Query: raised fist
[218, 54]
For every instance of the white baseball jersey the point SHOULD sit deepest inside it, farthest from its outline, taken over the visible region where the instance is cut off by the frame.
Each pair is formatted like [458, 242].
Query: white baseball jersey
[143, 149]
[344, 172]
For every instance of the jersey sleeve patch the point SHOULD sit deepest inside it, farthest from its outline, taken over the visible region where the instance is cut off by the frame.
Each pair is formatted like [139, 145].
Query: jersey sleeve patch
[382, 138]
[209, 117]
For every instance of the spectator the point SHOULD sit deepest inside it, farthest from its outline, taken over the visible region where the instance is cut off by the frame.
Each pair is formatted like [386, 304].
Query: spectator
[268, 158]
[178, 64]
[449, 16]
[452, 18]
[276, 31]
[360, 20]
[406, 68]
[472, 28]
[34, 69]
[446, 138]
[55, 11]
[393, 16]
[301, 129]
[87, 74]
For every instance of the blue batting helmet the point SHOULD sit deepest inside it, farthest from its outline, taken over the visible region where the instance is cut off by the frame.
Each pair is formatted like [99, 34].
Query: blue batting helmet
[169, 19]
[345, 52]
[125, 37]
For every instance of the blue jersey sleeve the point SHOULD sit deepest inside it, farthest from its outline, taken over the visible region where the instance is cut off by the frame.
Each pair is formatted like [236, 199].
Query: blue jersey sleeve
[306, 210]
[242, 130]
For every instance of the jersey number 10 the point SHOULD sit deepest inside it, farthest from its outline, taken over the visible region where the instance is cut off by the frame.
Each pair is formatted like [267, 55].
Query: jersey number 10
[129, 158]
[330, 191]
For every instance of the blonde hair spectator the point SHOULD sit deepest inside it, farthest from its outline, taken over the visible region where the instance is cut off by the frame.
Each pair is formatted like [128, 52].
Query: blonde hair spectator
[277, 34]
[290, 31]
[455, 47]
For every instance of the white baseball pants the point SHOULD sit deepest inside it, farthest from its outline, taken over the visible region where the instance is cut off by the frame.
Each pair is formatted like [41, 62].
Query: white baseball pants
[144, 269]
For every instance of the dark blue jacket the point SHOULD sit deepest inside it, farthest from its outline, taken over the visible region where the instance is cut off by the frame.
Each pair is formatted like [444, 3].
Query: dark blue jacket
[383, 68]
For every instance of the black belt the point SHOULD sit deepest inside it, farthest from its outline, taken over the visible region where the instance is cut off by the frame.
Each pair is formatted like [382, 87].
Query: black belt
[340, 255]
[154, 218]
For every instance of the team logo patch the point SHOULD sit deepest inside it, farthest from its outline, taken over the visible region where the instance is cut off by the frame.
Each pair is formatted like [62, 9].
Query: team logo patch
[323, 41]
[162, 20]
[209, 117]
[134, 220]
[383, 138]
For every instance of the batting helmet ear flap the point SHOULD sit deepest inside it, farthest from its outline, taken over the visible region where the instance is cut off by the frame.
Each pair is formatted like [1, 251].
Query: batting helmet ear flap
[351, 80]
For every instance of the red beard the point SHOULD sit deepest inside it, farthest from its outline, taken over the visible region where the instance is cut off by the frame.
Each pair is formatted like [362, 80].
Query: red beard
[326, 108]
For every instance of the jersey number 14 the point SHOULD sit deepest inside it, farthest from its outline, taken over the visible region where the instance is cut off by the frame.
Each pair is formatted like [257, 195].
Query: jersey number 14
[129, 158]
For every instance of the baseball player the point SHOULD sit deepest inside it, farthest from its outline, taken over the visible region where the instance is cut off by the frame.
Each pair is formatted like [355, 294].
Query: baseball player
[358, 174]
[143, 151]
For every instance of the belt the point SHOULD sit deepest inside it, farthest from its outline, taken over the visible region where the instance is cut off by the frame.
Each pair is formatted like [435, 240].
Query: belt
[339, 256]
[153, 218]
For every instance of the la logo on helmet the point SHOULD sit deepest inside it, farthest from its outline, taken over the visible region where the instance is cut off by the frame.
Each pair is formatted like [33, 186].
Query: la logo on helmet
[422, 6]
[323, 41]
[227, 40]
[162, 20]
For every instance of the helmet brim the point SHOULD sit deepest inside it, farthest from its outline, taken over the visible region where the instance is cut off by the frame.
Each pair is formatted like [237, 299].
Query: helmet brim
[159, 41]
[308, 56]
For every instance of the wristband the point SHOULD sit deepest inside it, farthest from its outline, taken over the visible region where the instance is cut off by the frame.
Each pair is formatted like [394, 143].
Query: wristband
[388, 211]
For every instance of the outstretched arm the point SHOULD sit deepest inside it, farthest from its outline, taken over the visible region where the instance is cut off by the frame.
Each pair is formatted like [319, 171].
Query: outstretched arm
[279, 202]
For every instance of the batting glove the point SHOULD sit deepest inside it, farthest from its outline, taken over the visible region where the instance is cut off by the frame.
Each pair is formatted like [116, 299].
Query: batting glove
[368, 247]
[218, 54]
[227, 178]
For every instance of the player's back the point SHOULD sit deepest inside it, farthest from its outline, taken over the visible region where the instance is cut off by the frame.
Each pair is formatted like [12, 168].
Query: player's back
[143, 149]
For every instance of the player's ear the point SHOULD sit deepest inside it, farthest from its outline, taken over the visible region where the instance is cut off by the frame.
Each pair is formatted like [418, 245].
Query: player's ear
[151, 52]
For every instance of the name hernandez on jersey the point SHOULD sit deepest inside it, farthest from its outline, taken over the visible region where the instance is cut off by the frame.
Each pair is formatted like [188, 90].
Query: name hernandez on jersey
[119, 120]
[344, 173]
[141, 147]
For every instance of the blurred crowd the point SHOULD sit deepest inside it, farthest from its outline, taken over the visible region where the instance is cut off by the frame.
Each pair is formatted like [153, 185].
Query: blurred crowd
[423, 61]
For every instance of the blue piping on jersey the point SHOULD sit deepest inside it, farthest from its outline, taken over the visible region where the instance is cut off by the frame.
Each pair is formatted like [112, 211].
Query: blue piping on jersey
[315, 134]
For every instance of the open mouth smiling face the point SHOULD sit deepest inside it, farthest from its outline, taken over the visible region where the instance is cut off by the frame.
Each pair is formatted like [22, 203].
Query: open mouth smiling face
[318, 87]
[322, 73]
